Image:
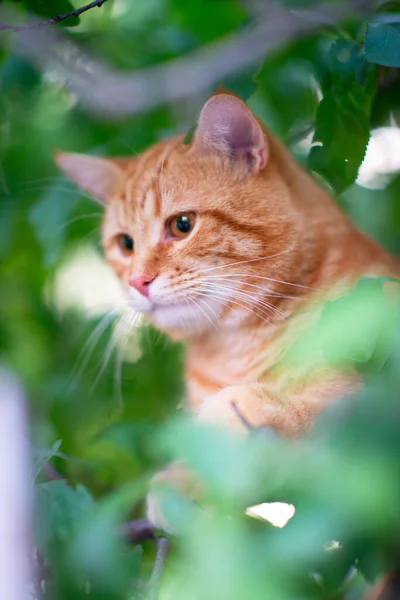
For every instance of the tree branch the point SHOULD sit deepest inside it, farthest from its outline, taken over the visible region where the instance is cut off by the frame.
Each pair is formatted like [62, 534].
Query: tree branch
[118, 94]
[163, 548]
[139, 530]
[53, 20]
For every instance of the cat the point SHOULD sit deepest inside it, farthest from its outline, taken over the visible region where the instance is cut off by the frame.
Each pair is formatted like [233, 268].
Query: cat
[224, 242]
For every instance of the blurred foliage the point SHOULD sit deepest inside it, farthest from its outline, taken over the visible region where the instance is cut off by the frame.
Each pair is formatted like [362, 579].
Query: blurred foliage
[333, 85]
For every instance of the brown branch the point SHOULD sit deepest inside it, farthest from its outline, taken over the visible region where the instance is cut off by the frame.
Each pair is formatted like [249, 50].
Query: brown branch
[53, 20]
[163, 548]
[139, 530]
[52, 473]
[264, 429]
[115, 93]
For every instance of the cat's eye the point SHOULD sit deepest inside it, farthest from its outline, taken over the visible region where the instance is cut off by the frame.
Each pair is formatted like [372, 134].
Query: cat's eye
[125, 242]
[181, 225]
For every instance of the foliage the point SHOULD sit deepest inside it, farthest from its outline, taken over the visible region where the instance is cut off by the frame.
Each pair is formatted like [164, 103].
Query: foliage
[118, 426]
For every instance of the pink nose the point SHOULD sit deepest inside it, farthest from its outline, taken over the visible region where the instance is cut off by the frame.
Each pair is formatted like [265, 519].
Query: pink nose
[141, 283]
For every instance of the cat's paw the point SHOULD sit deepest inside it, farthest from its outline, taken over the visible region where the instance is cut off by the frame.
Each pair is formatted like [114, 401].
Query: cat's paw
[238, 408]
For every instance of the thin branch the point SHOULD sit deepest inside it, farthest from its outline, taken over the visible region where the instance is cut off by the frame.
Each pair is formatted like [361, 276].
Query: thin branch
[53, 20]
[139, 530]
[119, 94]
[264, 429]
[52, 473]
[242, 418]
[163, 548]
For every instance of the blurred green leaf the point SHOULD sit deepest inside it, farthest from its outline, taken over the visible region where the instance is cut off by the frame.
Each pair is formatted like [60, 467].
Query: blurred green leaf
[382, 38]
[342, 126]
[52, 9]
[207, 19]
[49, 219]
[42, 456]
[58, 510]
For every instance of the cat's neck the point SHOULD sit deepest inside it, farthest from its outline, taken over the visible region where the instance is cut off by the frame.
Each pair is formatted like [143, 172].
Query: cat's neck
[231, 355]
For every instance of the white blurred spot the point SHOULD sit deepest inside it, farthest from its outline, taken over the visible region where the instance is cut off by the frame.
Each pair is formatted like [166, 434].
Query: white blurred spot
[85, 282]
[277, 513]
[382, 158]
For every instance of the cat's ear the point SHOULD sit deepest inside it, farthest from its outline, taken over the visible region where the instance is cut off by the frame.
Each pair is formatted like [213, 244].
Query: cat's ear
[100, 177]
[227, 125]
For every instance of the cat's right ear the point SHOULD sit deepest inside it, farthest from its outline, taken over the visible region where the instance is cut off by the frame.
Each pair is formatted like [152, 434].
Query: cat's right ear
[100, 177]
[227, 125]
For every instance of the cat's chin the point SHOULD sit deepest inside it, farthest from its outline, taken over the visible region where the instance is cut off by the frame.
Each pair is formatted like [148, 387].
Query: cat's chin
[187, 319]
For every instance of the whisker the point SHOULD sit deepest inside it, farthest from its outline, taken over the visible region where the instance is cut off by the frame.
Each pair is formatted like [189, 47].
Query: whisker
[79, 218]
[131, 317]
[224, 302]
[244, 295]
[241, 262]
[88, 348]
[112, 343]
[263, 278]
[205, 314]
[268, 292]
[44, 190]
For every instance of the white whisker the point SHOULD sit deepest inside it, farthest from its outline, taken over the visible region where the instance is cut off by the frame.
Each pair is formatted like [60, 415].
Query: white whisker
[267, 292]
[78, 218]
[305, 287]
[225, 302]
[88, 348]
[245, 295]
[241, 262]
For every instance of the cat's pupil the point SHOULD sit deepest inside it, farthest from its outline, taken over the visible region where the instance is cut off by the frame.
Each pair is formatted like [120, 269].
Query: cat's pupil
[183, 224]
[127, 242]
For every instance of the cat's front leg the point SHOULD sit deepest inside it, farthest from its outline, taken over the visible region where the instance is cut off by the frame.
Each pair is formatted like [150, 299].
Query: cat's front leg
[235, 408]
[257, 405]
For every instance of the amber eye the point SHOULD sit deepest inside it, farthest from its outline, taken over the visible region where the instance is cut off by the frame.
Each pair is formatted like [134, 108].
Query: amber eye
[125, 242]
[181, 225]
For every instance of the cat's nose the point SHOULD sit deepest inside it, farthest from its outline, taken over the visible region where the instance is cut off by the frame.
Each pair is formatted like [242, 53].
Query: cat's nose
[141, 283]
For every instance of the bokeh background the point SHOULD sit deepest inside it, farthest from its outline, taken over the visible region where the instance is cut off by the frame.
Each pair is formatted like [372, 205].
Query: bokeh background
[332, 95]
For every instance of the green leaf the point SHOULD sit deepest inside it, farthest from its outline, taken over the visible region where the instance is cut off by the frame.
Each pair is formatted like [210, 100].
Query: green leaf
[382, 38]
[343, 117]
[99, 554]
[58, 509]
[54, 8]
[287, 87]
[42, 456]
[207, 19]
[49, 218]
[356, 328]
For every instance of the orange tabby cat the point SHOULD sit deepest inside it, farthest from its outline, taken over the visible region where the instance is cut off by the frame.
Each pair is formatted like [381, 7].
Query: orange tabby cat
[223, 243]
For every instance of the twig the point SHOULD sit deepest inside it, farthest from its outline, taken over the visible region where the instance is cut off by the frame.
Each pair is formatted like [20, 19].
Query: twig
[52, 473]
[139, 530]
[264, 429]
[242, 418]
[115, 93]
[163, 548]
[53, 20]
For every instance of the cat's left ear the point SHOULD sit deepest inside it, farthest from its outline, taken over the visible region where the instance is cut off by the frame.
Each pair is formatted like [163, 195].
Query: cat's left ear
[100, 177]
[227, 125]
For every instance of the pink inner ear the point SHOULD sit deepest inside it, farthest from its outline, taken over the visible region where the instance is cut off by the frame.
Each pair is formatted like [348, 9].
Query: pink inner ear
[227, 125]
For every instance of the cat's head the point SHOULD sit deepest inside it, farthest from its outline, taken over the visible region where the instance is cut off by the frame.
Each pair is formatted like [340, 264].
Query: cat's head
[198, 233]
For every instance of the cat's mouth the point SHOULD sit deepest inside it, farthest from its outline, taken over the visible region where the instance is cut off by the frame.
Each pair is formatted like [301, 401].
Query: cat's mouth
[191, 314]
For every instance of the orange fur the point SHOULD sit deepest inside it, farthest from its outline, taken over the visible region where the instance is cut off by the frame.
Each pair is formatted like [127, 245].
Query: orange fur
[267, 235]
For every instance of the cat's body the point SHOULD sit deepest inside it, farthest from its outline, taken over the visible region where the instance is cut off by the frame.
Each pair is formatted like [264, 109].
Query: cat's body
[233, 243]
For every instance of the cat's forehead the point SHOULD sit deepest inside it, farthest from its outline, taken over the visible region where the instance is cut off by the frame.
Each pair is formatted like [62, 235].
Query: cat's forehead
[165, 180]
